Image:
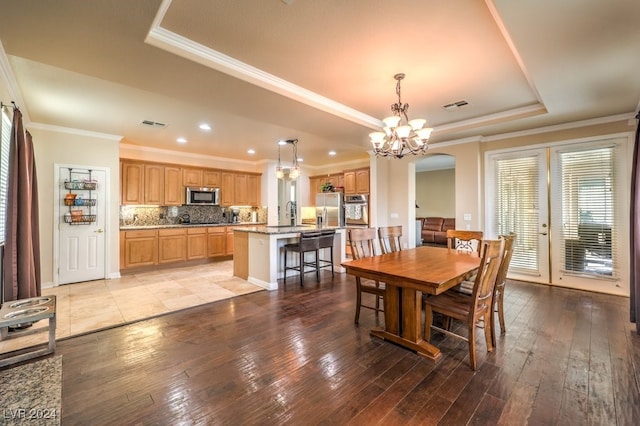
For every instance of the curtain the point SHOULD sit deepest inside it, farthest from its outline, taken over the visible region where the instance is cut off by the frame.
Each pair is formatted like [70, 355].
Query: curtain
[635, 232]
[22, 248]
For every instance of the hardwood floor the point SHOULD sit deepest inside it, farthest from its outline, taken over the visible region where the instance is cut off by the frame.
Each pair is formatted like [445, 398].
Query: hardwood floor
[296, 357]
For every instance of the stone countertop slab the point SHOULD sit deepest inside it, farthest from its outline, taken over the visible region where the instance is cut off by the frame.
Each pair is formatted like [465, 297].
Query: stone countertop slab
[185, 225]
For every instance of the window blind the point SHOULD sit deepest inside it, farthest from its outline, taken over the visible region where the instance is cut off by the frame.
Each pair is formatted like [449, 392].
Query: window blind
[5, 136]
[588, 211]
[518, 194]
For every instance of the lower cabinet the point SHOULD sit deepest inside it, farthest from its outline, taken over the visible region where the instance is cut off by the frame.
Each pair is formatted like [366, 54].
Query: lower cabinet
[216, 241]
[150, 247]
[196, 243]
[172, 245]
[140, 248]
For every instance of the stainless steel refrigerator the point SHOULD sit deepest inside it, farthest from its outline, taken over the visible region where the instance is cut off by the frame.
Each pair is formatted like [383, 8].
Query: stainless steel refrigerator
[330, 207]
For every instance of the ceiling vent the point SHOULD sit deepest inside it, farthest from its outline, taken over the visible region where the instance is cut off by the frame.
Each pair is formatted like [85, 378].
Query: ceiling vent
[455, 105]
[153, 124]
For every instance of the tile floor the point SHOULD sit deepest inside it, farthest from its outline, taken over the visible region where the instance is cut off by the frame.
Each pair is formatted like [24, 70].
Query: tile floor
[93, 305]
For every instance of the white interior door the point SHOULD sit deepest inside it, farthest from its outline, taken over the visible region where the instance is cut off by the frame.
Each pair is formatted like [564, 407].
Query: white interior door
[568, 206]
[81, 254]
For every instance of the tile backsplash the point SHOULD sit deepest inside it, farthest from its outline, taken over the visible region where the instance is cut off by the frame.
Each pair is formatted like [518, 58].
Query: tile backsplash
[171, 215]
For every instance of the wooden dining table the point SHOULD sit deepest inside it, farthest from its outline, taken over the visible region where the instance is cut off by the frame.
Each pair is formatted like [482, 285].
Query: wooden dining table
[408, 274]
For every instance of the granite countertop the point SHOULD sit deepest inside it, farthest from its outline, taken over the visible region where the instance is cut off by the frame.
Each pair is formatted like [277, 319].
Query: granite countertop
[274, 230]
[184, 225]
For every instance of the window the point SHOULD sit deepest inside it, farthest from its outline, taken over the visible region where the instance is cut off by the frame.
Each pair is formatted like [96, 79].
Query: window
[5, 136]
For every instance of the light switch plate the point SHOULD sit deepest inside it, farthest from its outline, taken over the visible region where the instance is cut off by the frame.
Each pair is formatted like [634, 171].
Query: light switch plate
[467, 216]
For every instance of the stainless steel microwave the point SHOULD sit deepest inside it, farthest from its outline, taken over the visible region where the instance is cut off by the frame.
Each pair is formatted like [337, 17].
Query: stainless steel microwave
[203, 196]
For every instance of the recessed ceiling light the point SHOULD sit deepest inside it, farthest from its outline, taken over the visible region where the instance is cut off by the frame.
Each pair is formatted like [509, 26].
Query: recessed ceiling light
[282, 142]
[204, 126]
[251, 151]
[332, 153]
[181, 140]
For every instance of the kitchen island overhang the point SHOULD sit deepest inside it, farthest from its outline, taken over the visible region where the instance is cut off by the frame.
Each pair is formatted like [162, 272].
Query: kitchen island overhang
[258, 251]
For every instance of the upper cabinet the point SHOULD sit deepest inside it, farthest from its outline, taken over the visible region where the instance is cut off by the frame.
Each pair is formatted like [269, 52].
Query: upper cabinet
[356, 181]
[211, 178]
[192, 177]
[362, 181]
[164, 184]
[132, 179]
[173, 189]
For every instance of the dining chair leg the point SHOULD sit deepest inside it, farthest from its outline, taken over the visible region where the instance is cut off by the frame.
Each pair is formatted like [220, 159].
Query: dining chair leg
[489, 335]
[503, 329]
[358, 299]
[472, 345]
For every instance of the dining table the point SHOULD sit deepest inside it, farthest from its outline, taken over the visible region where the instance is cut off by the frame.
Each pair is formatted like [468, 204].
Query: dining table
[407, 274]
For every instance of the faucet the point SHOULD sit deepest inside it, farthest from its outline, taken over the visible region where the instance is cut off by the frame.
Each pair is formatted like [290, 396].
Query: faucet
[291, 211]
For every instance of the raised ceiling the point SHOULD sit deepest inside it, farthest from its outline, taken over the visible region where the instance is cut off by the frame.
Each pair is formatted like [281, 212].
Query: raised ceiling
[319, 71]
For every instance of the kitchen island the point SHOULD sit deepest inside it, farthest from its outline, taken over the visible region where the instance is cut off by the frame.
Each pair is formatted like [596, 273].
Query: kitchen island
[258, 256]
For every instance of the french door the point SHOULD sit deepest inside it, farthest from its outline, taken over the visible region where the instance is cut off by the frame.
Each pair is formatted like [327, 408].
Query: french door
[568, 206]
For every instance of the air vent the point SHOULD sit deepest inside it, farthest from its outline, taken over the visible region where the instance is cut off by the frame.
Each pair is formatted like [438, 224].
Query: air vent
[455, 105]
[153, 124]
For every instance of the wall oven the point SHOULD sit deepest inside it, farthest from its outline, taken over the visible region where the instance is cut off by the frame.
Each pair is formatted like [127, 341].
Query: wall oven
[202, 196]
[356, 210]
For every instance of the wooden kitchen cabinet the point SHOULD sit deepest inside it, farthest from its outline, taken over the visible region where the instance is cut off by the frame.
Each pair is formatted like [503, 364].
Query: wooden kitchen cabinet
[173, 189]
[140, 248]
[253, 190]
[227, 188]
[356, 181]
[172, 245]
[153, 184]
[362, 181]
[229, 240]
[196, 243]
[191, 177]
[216, 241]
[241, 190]
[350, 182]
[211, 178]
[132, 178]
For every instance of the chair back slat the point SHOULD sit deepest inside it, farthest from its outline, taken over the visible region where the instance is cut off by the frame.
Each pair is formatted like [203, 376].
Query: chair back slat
[464, 240]
[389, 237]
[509, 244]
[362, 241]
[492, 253]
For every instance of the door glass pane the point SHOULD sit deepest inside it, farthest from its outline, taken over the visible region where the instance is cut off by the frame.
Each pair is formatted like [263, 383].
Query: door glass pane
[588, 211]
[517, 210]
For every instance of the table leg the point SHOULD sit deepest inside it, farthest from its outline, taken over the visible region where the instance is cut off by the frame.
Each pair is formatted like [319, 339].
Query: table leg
[404, 307]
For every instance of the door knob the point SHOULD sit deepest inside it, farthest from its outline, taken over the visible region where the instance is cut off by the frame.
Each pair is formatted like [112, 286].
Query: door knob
[543, 233]
[99, 231]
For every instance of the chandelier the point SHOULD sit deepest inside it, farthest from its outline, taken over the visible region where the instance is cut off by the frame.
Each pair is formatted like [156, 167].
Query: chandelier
[294, 171]
[398, 138]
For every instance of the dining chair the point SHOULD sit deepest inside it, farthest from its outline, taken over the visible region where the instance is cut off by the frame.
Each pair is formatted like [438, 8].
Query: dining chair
[362, 241]
[389, 238]
[470, 310]
[307, 242]
[463, 240]
[501, 280]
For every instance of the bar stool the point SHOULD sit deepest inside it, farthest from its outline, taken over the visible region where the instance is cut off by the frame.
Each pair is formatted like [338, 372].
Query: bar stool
[308, 242]
[326, 241]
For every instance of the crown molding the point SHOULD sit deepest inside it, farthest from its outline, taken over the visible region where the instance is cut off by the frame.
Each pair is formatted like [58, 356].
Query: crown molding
[195, 156]
[560, 127]
[8, 78]
[72, 131]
